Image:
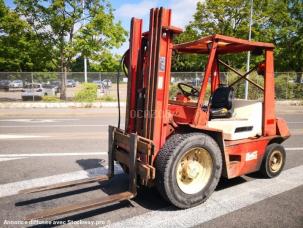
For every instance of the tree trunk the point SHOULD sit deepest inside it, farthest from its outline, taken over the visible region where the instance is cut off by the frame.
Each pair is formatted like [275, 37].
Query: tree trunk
[63, 78]
[299, 77]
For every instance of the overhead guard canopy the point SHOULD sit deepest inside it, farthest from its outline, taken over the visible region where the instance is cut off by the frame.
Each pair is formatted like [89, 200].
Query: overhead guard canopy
[226, 45]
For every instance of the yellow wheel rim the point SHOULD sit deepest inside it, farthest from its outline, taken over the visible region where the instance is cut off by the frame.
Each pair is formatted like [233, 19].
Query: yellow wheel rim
[194, 170]
[275, 161]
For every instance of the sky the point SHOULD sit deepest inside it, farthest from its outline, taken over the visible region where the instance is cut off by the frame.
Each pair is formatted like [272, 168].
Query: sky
[182, 11]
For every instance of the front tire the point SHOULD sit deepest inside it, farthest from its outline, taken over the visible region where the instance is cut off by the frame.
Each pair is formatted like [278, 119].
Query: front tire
[188, 169]
[273, 161]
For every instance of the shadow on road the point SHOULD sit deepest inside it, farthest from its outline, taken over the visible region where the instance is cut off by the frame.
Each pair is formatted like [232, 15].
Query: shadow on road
[227, 183]
[148, 198]
[91, 163]
[55, 196]
[85, 215]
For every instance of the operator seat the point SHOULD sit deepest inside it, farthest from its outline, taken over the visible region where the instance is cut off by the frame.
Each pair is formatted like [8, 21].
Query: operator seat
[221, 102]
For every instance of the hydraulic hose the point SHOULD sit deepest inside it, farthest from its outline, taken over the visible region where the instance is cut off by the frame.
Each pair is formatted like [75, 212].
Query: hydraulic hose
[124, 68]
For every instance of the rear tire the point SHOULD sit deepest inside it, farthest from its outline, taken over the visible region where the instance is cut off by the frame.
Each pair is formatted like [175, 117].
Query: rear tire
[273, 161]
[188, 169]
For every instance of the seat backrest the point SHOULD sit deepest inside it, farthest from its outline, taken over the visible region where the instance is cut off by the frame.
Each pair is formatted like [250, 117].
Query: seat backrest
[222, 97]
[247, 109]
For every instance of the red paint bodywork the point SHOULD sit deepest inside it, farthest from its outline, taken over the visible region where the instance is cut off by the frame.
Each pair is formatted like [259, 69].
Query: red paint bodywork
[168, 117]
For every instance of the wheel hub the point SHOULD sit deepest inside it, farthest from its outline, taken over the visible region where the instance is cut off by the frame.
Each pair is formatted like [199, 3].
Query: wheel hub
[275, 161]
[194, 170]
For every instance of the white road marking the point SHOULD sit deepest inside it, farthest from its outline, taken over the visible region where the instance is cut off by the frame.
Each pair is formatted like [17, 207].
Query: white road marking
[13, 188]
[12, 136]
[10, 158]
[220, 203]
[294, 148]
[36, 120]
[51, 154]
[55, 125]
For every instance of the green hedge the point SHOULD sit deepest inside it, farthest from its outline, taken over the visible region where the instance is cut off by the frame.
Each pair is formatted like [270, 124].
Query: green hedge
[50, 99]
[87, 93]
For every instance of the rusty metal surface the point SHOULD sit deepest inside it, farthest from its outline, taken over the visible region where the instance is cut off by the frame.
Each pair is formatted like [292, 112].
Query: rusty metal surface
[87, 205]
[64, 184]
[122, 140]
[111, 146]
[133, 163]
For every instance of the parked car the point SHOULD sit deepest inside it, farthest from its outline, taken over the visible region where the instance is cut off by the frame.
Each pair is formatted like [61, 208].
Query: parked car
[71, 83]
[36, 91]
[195, 82]
[4, 84]
[49, 90]
[101, 90]
[16, 84]
[107, 83]
[99, 83]
[56, 85]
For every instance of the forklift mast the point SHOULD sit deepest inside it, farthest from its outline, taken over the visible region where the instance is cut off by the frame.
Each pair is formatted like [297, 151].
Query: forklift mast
[149, 77]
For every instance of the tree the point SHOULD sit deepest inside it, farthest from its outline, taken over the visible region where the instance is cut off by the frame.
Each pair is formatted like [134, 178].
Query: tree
[291, 56]
[78, 66]
[211, 17]
[20, 48]
[108, 63]
[73, 27]
[276, 21]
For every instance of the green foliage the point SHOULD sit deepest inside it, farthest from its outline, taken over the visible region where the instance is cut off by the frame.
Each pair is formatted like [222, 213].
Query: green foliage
[286, 88]
[77, 65]
[45, 36]
[72, 28]
[275, 21]
[173, 90]
[289, 37]
[87, 93]
[100, 33]
[97, 34]
[298, 91]
[108, 98]
[45, 76]
[108, 63]
[50, 99]
[239, 88]
[20, 47]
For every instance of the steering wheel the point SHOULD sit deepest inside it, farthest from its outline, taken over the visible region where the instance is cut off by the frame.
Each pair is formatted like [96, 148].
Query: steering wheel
[188, 90]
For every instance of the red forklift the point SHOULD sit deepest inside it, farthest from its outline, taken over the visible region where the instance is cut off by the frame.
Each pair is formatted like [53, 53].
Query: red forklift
[185, 145]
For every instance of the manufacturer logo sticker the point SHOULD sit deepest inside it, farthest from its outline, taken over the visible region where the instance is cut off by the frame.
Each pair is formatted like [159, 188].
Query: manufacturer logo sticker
[251, 156]
[162, 64]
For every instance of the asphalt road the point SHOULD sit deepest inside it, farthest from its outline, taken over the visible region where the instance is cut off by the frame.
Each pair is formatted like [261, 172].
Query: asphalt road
[39, 147]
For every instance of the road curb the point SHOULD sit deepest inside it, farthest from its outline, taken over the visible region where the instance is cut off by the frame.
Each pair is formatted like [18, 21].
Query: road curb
[290, 102]
[24, 105]
[11, 105]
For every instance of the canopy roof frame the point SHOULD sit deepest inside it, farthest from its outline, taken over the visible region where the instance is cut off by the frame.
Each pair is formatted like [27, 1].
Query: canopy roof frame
[226, 45]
